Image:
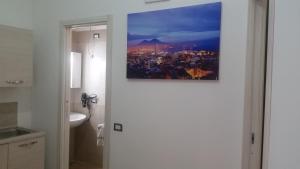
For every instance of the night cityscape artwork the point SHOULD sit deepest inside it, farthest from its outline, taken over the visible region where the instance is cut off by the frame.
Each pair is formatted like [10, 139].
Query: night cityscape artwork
[179, 43]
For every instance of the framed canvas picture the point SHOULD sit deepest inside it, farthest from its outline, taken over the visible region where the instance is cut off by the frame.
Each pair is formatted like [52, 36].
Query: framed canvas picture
[179, 43]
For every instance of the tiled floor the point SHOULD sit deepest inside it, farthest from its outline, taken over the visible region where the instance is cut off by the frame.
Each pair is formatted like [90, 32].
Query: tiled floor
[82, 165]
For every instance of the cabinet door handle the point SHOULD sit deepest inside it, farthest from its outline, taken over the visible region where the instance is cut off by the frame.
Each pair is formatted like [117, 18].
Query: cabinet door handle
[24, 145]
[34, 142]
[15, 82]
[28, 144]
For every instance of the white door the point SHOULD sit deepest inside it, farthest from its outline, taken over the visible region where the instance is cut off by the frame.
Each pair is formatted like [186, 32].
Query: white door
[28, 154]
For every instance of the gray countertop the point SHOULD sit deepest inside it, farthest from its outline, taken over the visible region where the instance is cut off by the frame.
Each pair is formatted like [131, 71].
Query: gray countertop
[12, 139]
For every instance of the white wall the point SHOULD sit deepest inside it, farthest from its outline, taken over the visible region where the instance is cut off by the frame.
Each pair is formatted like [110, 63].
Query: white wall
[167, 124]
[285, 110]
[17, 13]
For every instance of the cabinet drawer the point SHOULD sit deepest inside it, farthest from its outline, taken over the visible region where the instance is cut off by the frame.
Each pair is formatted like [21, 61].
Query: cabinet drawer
[27, 154]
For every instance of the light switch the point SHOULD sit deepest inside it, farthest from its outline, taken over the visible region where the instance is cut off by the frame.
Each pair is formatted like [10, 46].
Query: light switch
[118, 127]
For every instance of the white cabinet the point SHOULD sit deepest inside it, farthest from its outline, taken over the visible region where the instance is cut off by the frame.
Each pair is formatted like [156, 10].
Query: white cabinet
[75, 73]
[28, 154]
[3, 156]
[16, 53]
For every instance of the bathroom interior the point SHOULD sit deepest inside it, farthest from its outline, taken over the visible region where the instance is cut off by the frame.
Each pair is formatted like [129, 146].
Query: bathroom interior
[87, 96]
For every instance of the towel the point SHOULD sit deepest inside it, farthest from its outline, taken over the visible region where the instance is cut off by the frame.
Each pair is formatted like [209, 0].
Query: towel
[100, 135]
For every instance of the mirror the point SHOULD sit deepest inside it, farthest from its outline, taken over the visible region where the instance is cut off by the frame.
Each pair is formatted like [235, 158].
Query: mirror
[75, 75]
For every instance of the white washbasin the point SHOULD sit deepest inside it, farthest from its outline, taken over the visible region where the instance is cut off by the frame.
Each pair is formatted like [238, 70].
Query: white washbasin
[76, 119]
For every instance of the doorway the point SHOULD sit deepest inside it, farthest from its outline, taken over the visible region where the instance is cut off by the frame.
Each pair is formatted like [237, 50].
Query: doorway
[85, 117]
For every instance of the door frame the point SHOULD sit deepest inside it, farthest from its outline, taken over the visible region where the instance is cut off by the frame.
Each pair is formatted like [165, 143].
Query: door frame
[255, 85]
[264, 119]
[64, 126]
[268, 87]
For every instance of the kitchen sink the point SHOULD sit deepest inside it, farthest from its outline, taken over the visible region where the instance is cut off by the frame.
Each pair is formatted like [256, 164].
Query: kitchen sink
[13, 132]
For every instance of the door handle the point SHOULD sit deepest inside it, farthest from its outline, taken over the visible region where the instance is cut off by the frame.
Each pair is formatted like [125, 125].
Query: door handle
[14, 82]
[28, 144]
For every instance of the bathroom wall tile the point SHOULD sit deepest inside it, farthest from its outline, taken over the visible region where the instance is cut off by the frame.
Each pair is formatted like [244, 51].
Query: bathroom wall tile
[72, 145]
[84, 144]
[8, 114]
